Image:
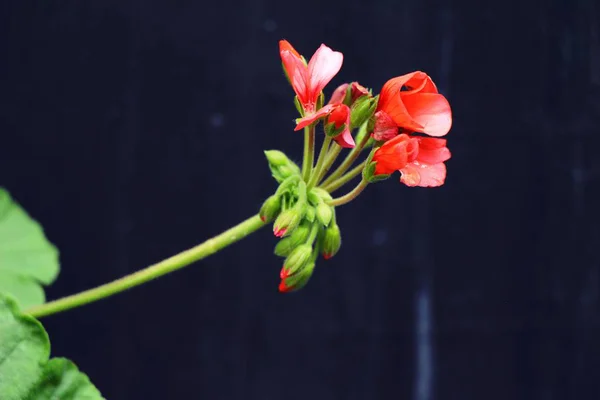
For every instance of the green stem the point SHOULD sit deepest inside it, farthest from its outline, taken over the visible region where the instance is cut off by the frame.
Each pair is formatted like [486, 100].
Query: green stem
[353, 173]
[347, 163]
[332, 155]
[318, 168]
[171, 264]
[349, 196]
[309, 151]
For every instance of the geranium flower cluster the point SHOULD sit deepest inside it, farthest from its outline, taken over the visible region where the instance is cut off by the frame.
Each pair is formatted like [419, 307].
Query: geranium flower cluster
[400, 128]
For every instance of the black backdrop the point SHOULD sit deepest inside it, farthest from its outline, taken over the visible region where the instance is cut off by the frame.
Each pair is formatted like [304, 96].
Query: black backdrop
[134, 129]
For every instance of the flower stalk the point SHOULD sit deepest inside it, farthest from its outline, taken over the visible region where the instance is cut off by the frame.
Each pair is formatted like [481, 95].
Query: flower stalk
[152, 272]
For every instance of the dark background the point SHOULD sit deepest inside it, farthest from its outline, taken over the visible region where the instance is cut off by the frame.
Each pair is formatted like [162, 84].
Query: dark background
[134, 129]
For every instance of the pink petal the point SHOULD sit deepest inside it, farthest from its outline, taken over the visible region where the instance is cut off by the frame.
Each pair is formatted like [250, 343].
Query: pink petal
[385, 127]
[430, 110]
[424, 175]
[345, 139]
[309, 119]
[338, 94]
[322, 67]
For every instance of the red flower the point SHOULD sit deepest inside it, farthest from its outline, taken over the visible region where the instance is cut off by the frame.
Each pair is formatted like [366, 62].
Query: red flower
[309, 80]
[420, 160]
[339, 94]
[413, 103]
[337, 114]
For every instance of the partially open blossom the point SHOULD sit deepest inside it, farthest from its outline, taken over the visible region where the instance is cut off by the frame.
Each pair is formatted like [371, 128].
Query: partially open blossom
[356, 91]
[338, 115]
[420, 160]
[413, 103]
[309, 80]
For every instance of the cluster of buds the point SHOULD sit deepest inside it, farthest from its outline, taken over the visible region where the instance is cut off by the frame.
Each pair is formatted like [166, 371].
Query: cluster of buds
[400, 128]
[302, 219]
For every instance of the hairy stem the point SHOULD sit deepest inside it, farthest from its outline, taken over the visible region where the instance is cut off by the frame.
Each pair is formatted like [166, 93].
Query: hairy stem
[349, 196]
[152, 272]
[353, 173]
[309, 151]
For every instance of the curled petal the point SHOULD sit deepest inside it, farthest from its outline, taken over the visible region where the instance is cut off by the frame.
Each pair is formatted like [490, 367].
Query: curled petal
[322, 67]
[309, 119]
[430, 110]
[338, 94]
[424, 175]
[358, 90]
[345, 139]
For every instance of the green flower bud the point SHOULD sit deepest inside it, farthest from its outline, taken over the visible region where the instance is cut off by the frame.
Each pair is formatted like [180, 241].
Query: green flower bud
[324, 213]
[362, 109]
[310, 214]
[276, 158]
[288, 220]
[296, 238]
[297, 260]
[299, 280]
[331, 241]
[322, 193]
[281, 166]
[270, 208]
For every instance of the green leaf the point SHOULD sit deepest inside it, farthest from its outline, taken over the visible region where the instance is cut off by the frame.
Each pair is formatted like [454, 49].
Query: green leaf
[24, 347]
[27, 259]
[25, 371]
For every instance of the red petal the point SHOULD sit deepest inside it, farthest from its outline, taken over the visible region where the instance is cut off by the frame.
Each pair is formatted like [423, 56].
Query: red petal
[340, 115]
[309, 119]
[284, 45]
[298, 75]
[395, 154]
[424, 175]
[358, 90]
[418, 82]
[432, 151]
[283, 288]
[322, 67]
[430, 110]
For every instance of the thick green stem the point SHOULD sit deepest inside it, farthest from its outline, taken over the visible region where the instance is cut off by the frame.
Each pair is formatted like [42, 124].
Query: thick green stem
[347, 163]
[349, 196]
[309, 151]
[353, 173]
[320, 161]
[164, 267]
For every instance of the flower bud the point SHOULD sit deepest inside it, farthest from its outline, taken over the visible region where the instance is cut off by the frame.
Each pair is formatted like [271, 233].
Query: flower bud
[331, 241]
[281, 166]
[296, 238]
[270, 208]
[288, 220]
[324, 213]
[297, 260]
[322, 193]
[299, 280]
[362, 109]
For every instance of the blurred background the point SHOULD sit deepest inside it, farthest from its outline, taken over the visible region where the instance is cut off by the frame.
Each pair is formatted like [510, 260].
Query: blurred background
[134, 129]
